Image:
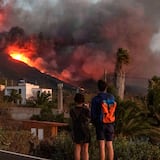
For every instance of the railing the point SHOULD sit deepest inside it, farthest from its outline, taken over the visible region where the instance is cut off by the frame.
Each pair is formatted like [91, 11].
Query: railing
[6, 155]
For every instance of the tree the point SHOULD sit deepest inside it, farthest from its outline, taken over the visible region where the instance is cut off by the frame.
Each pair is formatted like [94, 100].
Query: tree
[42, 98]
[131, 119]
[153, 99]
[122, 58]
[14, 96]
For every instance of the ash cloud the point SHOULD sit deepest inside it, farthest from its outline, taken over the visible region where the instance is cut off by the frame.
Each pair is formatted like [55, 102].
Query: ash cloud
[77, 39]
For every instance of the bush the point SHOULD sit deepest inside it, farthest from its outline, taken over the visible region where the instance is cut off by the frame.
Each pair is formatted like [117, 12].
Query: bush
[61, 148]
[136, 149]
[15, 141]
[58, 148]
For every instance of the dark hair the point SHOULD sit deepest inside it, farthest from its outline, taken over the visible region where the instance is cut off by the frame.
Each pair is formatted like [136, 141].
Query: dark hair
[79, 98]
[102, 85]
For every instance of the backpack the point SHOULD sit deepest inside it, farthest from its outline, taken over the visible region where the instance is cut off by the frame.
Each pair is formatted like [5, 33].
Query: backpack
[108, 107]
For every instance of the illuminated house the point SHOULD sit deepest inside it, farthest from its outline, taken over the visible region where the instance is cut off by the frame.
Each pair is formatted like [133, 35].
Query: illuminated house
[26, 90]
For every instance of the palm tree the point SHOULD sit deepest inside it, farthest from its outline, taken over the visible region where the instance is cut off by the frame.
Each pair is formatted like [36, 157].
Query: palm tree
[42, 98]
[132, 119]
[122, 58]
[138, 118]
[14, 96]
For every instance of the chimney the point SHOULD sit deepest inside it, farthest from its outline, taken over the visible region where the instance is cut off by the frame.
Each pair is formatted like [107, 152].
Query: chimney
[60, 97]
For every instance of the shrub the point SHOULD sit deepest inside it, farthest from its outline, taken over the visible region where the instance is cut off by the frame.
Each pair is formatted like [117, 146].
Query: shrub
[61, 148]
[137, 149]
[58, 148]
[15, 141]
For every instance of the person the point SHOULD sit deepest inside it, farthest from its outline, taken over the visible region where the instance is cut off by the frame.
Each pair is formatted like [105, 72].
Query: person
[80, 118]
[104, 131]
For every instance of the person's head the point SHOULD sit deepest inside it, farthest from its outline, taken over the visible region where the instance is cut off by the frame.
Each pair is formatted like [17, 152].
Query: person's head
[102, 85]
[79, 98]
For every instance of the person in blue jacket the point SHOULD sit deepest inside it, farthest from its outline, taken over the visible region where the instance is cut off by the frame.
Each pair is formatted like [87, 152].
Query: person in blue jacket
[104, 131]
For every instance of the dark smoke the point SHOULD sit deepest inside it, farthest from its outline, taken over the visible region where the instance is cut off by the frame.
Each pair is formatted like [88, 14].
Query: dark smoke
[77, 39]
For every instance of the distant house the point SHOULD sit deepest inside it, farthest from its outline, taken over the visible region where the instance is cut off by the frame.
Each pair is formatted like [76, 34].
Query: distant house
[26, 90]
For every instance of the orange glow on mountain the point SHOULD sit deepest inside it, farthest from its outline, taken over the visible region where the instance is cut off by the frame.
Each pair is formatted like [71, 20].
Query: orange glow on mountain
[26, 54]
[20, 57]
[19, 54]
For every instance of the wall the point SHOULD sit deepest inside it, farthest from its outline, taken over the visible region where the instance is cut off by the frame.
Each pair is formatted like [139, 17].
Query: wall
[24, 113]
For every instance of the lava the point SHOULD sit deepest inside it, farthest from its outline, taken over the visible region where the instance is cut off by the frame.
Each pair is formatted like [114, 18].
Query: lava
[19, 54]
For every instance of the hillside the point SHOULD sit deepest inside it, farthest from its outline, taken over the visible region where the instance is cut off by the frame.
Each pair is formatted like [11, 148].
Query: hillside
[16, 70]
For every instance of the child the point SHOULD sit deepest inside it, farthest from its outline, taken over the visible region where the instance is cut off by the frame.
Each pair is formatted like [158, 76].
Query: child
[80, 116]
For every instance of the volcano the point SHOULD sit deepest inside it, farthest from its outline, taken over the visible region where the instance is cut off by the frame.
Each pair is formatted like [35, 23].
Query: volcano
[15, 70]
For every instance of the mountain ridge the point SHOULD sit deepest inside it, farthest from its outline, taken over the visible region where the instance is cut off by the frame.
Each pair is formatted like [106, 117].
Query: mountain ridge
[15, 70]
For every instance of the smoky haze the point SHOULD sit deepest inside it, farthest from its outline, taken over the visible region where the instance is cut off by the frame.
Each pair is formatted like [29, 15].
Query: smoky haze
[78, 39]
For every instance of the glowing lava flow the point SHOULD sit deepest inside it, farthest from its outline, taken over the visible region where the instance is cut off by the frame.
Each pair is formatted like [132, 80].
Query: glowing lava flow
[19, 54]
[20, 57]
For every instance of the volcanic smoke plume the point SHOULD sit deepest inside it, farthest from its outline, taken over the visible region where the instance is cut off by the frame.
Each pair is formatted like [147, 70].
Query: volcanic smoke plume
[76, 40]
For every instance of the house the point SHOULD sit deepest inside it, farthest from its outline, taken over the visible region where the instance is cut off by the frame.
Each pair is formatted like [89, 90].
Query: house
[26, 90]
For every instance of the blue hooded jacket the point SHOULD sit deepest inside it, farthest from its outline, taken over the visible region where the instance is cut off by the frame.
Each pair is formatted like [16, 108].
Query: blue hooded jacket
[96, 111]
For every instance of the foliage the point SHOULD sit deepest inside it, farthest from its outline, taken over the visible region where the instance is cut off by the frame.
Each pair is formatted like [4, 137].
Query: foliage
[135, 149]
[46, 114]
[122, 58]
[61, 148]
[41, 99]
[153, 100]
[15, 141]
[13, 97]
[131, 119]
[153, 104]
[58, 148]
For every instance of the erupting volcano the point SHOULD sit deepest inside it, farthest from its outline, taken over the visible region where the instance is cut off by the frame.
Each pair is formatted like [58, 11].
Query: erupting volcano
[18, 54]
[76, 40]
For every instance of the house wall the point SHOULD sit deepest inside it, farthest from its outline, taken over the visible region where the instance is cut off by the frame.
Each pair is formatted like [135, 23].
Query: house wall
[29, 90]
[26, 90]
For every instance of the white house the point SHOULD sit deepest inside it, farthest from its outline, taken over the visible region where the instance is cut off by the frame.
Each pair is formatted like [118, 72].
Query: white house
[26, 90]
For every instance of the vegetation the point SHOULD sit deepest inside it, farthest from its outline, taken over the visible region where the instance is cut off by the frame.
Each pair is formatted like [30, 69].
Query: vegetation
[137, 127]
[122, 58]
[15, 141]
[14, 97]
[61, 147]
